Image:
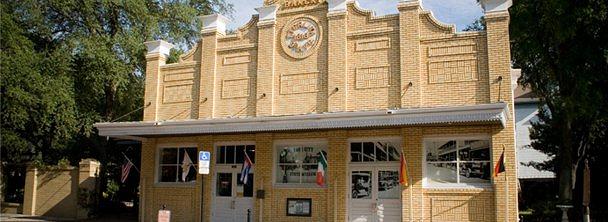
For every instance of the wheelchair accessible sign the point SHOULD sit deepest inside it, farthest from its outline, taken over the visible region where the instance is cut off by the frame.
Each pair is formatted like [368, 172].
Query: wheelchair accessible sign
[204, 160]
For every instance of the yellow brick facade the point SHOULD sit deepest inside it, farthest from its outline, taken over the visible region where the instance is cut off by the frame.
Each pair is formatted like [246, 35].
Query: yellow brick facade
[363, 62]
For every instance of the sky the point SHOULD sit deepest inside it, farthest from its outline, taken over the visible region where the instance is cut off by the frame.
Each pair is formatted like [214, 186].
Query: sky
[458, 12]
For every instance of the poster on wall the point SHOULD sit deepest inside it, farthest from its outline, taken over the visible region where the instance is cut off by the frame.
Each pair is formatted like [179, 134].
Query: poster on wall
[299, 207]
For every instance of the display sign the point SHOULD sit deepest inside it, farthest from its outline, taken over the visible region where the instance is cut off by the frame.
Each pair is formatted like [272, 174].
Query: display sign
[204, 161]
[164, 216]
[299, 207]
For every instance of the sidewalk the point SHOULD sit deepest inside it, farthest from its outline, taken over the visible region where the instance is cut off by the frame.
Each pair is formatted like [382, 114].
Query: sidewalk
[21, 217]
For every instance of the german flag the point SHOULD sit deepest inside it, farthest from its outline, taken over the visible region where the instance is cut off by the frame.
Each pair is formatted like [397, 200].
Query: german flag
[403, 177]
[500, 165]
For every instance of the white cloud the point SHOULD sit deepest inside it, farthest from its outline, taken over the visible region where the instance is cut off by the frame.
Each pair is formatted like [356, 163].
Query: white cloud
[459, 12]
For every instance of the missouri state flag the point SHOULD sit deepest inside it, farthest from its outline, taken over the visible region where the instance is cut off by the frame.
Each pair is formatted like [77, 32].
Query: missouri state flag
[321, 167]
[500, 165]
[403, 177]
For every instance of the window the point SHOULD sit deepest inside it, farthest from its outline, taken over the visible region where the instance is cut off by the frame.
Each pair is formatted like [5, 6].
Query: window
[176, 160]
[233, 154]
[297, 163]
[459, 161]
[373, 152]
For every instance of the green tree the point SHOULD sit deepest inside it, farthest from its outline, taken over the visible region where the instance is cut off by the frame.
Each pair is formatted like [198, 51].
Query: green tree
[38, 111]
[86, 60]
[478, 25]
[562, 50]
[66, 64]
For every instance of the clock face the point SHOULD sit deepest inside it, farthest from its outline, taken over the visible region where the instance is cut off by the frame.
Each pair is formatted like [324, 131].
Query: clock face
[301, 36]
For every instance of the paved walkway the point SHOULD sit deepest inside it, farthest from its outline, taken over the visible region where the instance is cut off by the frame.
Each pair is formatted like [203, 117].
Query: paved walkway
[21, 217]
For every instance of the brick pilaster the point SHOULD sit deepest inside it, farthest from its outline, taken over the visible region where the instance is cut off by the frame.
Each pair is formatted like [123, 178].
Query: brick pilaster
[499, 60]
[158, 51]
[266, 79]
[409, 51]
[337, 66]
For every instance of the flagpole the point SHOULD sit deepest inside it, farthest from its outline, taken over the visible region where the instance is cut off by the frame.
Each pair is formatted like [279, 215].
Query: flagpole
[506, 185]
[411, 188]
[123, 154]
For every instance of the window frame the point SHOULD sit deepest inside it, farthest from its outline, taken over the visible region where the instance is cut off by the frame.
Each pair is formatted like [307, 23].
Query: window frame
[216, 149]
[391, 139]
[317, 142]
[427, 184]
[158, 156]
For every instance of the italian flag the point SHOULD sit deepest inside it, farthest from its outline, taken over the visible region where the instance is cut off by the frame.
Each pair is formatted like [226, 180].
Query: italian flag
[322, 165]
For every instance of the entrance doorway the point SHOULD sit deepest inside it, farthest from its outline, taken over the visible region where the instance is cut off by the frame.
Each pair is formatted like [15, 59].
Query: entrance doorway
[232, 200]
[375, 194]
[374, 190]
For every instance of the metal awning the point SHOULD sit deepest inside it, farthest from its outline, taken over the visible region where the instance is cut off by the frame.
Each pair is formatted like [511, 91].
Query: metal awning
[485, 113]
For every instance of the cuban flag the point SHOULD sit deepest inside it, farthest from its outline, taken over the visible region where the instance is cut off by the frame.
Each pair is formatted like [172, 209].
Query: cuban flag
[247, 164]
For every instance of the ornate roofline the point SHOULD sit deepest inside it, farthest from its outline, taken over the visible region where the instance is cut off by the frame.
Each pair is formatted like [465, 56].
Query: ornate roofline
[441, 25]
[369, 13]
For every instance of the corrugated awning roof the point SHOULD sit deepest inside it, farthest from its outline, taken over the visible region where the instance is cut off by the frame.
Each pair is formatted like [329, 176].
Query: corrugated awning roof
[485, 113]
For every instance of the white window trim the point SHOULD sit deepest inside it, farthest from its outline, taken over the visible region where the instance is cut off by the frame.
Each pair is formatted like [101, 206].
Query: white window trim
[392, 139]
[161, 146]
[428, 185]
[321, 142]
[229, 143]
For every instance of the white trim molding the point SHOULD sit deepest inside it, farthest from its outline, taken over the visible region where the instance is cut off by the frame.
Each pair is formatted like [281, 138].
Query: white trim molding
[485, 113]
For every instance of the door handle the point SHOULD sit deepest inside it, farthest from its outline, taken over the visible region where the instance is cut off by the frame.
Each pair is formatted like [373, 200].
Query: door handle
[232, 204]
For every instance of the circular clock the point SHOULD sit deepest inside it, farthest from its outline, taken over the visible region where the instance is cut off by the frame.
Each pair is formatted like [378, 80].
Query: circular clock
[300, 37]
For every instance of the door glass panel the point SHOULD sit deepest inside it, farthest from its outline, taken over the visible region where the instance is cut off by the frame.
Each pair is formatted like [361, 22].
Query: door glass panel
[251, 152]
[355, 152]
[224, 185]
[381, 151]
[248, 188]
[388, 184]
[222, 155]
[240, 154]
[368, 152]
[230, 153]
[361, 184]
[393, 153]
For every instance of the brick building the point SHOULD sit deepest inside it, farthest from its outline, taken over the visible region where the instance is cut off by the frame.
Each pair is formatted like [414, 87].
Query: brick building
[311, 77]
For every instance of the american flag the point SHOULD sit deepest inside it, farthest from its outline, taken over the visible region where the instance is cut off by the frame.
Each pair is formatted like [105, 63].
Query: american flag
[126, 168]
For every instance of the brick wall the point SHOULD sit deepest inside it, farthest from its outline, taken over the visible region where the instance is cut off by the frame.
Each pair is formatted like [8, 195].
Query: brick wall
[55, 191]
[362, 62]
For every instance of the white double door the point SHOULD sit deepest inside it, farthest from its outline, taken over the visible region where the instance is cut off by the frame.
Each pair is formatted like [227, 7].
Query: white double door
[375, 193]
[231, 199]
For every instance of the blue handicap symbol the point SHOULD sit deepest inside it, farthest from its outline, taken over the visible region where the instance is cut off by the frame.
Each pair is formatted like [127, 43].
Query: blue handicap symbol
[205, 156]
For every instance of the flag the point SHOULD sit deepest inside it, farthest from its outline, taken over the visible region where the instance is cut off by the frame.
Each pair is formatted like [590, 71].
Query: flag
[186, 164]
[247, 164]
[403, 177]
[500, 165]
[322, 165]
[125, 169]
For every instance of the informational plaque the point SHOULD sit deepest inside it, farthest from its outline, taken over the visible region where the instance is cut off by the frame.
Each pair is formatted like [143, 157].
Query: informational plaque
[299, 207]
[164, 216]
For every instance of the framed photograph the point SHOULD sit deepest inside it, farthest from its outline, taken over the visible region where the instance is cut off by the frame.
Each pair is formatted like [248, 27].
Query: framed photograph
[300, 207]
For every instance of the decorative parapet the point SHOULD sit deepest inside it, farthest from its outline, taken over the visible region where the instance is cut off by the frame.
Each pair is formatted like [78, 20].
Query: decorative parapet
[495, 5]
[214, 23]
[158, 47]
[268, 15]
[336, 6]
